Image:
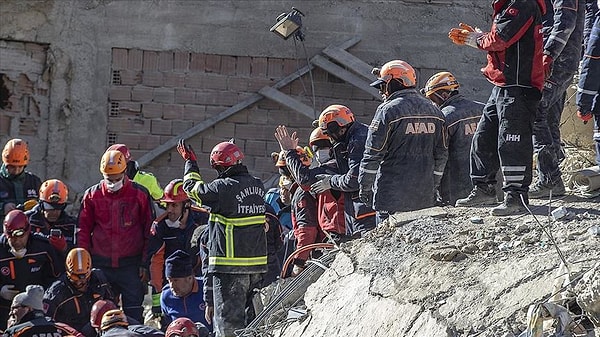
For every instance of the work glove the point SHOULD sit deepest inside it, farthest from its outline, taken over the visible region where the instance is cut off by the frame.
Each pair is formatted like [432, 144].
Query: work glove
[584, 116]
[547, 63]
[465, 35]
[156, 311]
[186, 151]
[322, 185]
[297, 270]
[366, 196]
[59, 243]
[8, 292]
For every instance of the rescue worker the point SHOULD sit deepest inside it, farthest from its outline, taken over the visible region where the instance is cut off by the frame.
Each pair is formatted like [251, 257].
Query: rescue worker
[280, 199]
[274, 245]
[49, 214]
[71, 297]
[503, 139]
[405, 151]
[237, 239]
[563, 35]
[114, 226]
[588, 88]
[461, 115]
[18, 188]
[25, 258]
[330, 203]
[183, 296]
[28, 310]
[348, 138]
[114, 323]
[185, 327]
[146, 179]
[304, 209]
[171, 231]
[99, 308]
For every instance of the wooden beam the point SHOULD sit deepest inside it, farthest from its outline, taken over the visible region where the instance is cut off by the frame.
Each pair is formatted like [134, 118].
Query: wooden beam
[196, 129]
[350, 61]
[344, 74]
[288, 101]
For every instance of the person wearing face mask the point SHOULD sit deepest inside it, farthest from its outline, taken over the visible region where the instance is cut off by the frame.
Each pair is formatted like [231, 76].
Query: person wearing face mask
[171, 231]
[330, 203]
[114, 226]
[27, 258]
[461, 116]
[49, 214]
[348, 138]
[70, 298]
[18, 188]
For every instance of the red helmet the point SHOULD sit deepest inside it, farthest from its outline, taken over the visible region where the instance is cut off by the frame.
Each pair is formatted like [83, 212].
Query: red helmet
[174, 192]
[182, 327]
[225, 154]
[98, 310]
[16, 223]
[121, 148]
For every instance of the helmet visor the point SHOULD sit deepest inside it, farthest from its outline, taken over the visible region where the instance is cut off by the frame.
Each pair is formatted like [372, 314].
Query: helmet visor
[16, 233]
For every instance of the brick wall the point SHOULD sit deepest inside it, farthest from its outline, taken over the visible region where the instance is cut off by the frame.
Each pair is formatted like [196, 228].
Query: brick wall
[156, 95]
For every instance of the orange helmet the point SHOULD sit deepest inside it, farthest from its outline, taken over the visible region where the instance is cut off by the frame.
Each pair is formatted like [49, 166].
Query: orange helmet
[78, 264]
[182, 327]
[54, 191]
[319, 139]
[16, 223]
[112, 318]
[15, 152]
[441, 81]
[399, 70]
[113, 162]
[337, 113]
[225, 154]
[98, 310]
[174, 192]
[121, 148]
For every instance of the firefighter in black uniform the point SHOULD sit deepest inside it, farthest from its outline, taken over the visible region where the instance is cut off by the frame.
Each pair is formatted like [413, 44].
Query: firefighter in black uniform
[71, 297]
[18, 188]
[461, 116]
[405, 152]
[50, 214]
[236, 240]
[25, 258]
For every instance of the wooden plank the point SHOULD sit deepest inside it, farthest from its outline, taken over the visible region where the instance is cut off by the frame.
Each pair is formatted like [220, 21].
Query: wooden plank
[288, 101]
[196, 129]
[350, 61]
[344, 74]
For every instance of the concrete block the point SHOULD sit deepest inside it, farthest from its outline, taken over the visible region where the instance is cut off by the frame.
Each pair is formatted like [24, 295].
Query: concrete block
[214, 82]
[258, 132]
[194, 112]
[152, 78]
[237, 84]
[130, 77]
[274, 68]
[119, 93]
[197, 62]
[194, 80]
[152, 110]
[173, 111]
[119, 59]
[165, 61]
[135, 59]
[290, 66]
[243, 65]
[185, 96]
[160, 127]
[164, 95]
[259, 67]
[180, 126]
[181, 61]
[228, 65]
[206, 98]
[150, 62]
[224, 129]
[174, 80]
[128, 125]
[255, 148]
[255, 84]
[213, 63]
[142, 94]
[131, 108]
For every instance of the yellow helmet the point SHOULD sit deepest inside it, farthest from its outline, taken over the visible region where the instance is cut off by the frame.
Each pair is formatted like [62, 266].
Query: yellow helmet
[441, 81]
[113, 162]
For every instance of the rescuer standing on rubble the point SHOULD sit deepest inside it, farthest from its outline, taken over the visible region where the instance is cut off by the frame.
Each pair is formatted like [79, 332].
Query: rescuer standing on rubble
[237, 244]
[504, 134]
[405, 152]
[461, 117]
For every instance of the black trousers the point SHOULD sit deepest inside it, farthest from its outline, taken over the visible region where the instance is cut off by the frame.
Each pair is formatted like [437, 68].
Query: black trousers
[232, 293]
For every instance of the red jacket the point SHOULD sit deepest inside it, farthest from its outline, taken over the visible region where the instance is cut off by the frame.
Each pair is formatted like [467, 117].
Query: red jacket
[120, 223]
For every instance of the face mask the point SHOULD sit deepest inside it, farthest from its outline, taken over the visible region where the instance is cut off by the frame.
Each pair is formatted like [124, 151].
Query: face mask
[114, 187]
[19, 253]
[172, 224]
[323, 155]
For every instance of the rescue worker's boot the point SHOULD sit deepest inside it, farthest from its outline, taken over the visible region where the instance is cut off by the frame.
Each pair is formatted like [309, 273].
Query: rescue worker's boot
[541, 190]
[480, 195]
[512, 205]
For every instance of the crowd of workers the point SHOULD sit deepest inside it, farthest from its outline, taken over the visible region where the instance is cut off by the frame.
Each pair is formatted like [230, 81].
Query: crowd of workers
[205, 247]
